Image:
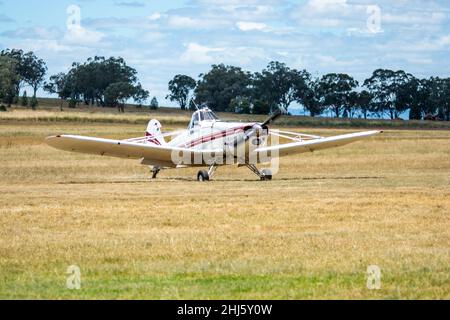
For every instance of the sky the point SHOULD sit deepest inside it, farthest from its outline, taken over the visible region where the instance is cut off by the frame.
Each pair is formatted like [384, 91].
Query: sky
[164, 38]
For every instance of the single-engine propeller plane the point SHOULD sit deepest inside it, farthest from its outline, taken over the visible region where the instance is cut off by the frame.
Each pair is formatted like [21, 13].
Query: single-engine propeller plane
[208, 142]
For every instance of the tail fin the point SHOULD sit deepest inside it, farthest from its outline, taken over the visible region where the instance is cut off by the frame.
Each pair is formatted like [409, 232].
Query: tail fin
[154, 134]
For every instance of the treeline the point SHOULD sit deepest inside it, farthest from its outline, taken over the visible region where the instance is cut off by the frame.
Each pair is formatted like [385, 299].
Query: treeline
[17, 69]
[98, 81]
[385, 93]
[111, 83]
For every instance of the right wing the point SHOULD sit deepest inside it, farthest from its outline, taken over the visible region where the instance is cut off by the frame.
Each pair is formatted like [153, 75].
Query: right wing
[314, 145]
[164, 156]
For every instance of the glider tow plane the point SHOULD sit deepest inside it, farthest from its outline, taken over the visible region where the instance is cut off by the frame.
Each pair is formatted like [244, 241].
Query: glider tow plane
[207, 142]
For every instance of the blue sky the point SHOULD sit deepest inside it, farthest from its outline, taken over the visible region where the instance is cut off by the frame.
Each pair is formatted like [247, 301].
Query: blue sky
[163, 38]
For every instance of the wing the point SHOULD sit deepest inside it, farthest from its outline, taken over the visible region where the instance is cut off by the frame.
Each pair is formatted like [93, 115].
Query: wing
[164, 156]
[314, 145]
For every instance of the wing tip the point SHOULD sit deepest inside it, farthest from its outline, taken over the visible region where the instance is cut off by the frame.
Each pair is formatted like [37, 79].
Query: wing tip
[51, 141]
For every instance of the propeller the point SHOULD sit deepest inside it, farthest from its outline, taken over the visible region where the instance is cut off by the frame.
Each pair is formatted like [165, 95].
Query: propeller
[258, 128]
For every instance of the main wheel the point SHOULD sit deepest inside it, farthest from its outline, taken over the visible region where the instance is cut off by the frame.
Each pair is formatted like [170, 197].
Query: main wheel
[202, 176]
[266, 175]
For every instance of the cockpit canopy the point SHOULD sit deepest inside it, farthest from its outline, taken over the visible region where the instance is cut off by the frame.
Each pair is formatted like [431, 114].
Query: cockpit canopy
[204, 114]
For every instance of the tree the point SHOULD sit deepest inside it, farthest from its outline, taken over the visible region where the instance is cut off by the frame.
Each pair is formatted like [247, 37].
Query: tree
[154, 105]
[414, 94]
[58, 85]
[118, 93]
[89, 82]
[278, 84]
[444, 108]
[438, 100]
[221, 85]
[9, 78]
[385, 86]
[335, 90]
[30, 69]
[20, 70]
[180, 88]
[240, 105]
[351, 105]
[364, 102]
[307, 93]
[140, 95]
[261, 107]
[24, 100]
[35, 70]
[34, 102]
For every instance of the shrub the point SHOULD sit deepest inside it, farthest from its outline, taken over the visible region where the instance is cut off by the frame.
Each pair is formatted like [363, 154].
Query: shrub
[34, 103]
[24, 100]
[73, 103]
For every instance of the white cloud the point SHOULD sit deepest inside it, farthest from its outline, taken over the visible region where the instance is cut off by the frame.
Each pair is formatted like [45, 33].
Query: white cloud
[79, 35]
[205, 23]
[199, 54]
[423, 18]
[444, 41]
[325, 4]
[155, 16]
[330, 14]
[40, 45]
[250, 26]
[183, 22]
[34, 33]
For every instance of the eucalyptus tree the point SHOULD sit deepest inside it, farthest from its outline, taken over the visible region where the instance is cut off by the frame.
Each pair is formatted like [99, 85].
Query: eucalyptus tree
[334, 90]
[180, 88]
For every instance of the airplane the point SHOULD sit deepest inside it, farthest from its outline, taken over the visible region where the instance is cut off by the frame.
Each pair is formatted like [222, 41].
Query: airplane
[208, 142]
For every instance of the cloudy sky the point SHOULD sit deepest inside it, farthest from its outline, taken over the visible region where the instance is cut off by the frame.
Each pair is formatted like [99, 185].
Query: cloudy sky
[163, 38]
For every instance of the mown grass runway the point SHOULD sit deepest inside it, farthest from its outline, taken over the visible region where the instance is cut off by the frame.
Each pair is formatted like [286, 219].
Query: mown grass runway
[310, 233]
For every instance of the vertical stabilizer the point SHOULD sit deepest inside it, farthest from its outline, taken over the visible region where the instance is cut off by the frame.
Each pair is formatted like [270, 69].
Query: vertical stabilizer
[154, 134]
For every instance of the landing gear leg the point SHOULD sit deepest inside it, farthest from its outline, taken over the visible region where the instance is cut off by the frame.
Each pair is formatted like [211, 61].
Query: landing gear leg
[212, 170]
[264, 175]
[155, 172]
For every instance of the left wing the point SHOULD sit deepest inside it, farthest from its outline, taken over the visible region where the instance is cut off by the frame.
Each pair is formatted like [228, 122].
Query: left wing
[150, 154]
[314, 145]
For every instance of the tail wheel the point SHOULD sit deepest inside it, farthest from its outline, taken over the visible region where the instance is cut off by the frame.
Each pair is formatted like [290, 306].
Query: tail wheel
[202, 176]
[266, 175]
[155, 172]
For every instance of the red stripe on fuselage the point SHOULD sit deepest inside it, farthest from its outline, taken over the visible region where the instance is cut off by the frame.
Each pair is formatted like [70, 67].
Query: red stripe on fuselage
[208, 138]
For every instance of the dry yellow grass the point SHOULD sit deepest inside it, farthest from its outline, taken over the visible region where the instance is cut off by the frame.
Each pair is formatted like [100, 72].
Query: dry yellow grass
[310, 233]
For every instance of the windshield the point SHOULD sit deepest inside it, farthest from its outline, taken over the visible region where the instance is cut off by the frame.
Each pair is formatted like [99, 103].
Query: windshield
[208, 115]
[202, 115]
[194, 121]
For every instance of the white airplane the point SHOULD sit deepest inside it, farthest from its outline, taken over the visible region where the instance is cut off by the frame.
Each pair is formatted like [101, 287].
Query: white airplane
[207, 142]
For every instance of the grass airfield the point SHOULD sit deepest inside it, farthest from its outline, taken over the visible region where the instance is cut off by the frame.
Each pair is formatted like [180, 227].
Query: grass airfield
[310, 233]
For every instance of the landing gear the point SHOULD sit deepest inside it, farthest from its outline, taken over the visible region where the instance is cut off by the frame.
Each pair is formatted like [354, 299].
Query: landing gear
[206, 175]
[202, 176]
[155, 172]
[264, 175]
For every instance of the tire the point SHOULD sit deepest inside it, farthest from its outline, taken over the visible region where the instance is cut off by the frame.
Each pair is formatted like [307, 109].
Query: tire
[267, 175]
[202, 176]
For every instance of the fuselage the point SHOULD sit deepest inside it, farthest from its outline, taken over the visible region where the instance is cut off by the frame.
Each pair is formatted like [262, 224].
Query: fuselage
[210, 134]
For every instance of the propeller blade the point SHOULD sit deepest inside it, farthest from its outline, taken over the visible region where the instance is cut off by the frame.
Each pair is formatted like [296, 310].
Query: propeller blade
[278, 113]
